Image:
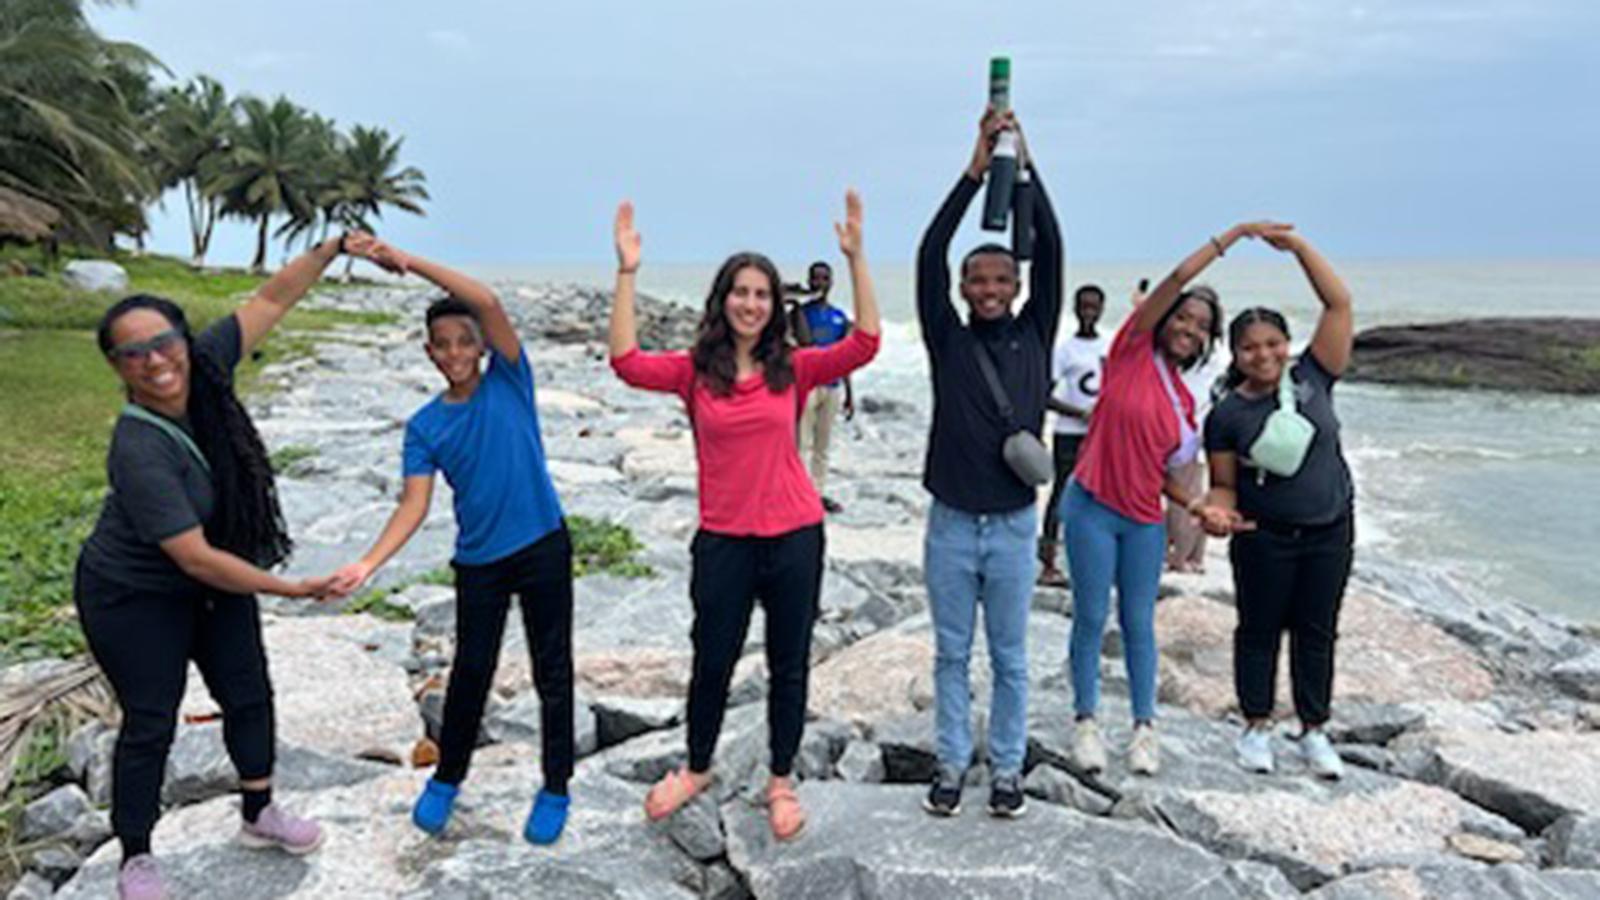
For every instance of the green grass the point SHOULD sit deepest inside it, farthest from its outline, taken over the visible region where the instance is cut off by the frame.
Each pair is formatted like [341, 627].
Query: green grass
[287, 460]
[58, 402]
[376, 601]
[603, 546]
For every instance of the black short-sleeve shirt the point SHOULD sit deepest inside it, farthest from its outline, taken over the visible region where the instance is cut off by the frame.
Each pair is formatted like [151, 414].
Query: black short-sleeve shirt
[1321, 492]
[157, 489]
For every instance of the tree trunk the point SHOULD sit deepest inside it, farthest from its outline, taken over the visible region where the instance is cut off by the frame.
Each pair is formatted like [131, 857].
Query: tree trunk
[204, 245]
[260, 264]
[349, 263]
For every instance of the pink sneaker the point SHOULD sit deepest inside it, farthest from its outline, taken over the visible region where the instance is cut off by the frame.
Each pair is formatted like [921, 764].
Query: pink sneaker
[140, 879]
[277, 828]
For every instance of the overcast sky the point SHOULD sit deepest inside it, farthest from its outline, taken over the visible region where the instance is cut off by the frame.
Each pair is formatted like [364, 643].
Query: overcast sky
[1458, 128]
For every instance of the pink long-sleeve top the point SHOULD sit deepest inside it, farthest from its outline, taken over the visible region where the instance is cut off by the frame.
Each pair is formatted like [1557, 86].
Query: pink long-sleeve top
[752, 483]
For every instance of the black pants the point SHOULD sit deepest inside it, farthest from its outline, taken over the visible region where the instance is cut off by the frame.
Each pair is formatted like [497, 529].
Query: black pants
[1064, 448]
[729, 575]
[144, 641]
[540, 574]
[1289, 578]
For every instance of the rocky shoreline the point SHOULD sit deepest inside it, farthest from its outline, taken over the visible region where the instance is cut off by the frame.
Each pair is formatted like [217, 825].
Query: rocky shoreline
[1557, 355]
[1473, 733]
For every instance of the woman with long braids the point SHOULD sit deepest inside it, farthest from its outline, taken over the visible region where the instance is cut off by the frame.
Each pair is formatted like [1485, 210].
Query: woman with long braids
[190, 529]
[1280, 486]
[760, 533]
[1143, 430]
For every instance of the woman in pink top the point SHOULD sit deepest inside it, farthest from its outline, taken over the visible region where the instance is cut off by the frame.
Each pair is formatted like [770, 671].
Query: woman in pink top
[760, 530]
[1143, 428]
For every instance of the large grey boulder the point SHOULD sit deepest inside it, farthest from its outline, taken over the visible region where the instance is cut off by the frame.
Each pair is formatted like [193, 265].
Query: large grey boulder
[518, 722]
[1574, 841]
[95, 275]
[1532, 779]
[54, 813]
[1580, 676]
[198, 767]
[621, 718]
[1462, 882]
[875, 842]
[32, 886]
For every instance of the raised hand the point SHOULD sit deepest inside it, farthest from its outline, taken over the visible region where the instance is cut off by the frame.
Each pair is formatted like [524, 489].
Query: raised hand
[1285, 239]
[627, 238]
[1266, 229]
[349, 579]
[989, 128]
[849, 230]
[364, 245]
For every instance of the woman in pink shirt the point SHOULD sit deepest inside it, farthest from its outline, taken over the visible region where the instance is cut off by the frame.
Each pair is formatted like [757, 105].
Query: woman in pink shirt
[760, 530]
[1143, 429]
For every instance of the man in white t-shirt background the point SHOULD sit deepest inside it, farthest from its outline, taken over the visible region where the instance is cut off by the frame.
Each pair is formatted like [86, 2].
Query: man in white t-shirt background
[1075, 370]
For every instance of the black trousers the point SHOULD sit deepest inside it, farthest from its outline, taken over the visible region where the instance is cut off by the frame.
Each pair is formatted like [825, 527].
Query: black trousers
[1064, 449]
[729, 575]
[144, 641]
[540, 574]
[1293, 579]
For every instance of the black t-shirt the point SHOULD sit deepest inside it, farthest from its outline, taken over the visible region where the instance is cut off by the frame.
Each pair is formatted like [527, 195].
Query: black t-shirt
[157, 489]
[1321, 492]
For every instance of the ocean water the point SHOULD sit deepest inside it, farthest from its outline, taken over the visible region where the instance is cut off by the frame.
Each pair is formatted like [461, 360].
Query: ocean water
[1491, 495]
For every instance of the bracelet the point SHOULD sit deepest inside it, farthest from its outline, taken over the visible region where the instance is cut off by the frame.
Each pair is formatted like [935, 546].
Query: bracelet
[632, 271]
[1218, 245]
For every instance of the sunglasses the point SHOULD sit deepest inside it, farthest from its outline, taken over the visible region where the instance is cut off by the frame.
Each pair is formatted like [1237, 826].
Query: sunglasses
[166, 343]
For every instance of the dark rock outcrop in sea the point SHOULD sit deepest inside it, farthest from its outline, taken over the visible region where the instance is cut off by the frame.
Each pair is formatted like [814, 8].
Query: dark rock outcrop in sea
[1557, 355]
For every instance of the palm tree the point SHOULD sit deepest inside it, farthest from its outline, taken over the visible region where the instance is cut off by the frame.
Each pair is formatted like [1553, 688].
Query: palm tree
[67, 134]
[327, 167]
[373, 179]
[193, 124]
[269, 168]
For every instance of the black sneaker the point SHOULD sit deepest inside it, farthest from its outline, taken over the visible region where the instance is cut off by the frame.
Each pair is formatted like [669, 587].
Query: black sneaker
[1006, 799]
[944, 797]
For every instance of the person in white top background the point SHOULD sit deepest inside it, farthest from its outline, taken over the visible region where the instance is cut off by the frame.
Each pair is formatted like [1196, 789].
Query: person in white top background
[1075, 370]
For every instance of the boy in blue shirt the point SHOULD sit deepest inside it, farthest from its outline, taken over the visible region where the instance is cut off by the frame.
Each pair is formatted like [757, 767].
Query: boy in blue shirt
[482, 432]
[818, 323]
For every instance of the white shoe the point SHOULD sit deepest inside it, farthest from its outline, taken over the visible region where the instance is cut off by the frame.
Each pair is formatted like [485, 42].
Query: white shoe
[1254, 750]
[1318, 752]
[1144, 751]
[1088, 752]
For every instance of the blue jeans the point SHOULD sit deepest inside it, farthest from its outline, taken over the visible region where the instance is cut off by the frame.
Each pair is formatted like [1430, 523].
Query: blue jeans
[971, 559]
[1103, 545]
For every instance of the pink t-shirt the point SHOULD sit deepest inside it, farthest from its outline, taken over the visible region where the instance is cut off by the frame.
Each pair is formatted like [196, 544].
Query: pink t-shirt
[751, 480]
[1123, 462]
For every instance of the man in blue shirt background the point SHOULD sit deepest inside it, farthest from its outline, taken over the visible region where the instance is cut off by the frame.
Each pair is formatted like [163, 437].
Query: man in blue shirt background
[817, 323]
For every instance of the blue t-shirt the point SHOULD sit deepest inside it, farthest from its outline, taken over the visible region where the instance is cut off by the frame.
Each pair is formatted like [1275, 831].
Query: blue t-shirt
[491, 454]
[828, 325]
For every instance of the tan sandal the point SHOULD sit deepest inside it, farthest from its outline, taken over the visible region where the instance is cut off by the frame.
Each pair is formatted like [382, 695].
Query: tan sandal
[670, 794]
[784, 813]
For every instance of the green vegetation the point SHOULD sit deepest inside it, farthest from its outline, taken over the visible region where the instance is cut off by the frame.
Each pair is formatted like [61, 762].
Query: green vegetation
[376, 601]
[287, 460]
[603, 546]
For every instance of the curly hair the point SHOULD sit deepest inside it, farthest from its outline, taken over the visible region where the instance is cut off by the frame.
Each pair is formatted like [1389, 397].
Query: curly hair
[247, 519]
[713, 344]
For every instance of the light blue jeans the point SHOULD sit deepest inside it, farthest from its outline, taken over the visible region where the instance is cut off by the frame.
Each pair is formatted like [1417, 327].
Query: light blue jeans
[1105, 546]
[970, 560]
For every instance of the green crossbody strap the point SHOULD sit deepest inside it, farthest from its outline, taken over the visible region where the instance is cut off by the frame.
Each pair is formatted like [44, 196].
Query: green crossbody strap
[1286, 390]
[135, 411]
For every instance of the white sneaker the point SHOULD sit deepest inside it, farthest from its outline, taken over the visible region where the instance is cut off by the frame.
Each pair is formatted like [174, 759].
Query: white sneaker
[1088, 752]
[1254, 750]
[1144, 751]
[1318, 752]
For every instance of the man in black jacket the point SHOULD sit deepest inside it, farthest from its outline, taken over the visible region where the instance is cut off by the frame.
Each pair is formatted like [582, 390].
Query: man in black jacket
[982, 521]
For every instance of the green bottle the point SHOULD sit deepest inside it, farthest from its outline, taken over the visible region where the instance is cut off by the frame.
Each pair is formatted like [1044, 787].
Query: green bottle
[1003, 162]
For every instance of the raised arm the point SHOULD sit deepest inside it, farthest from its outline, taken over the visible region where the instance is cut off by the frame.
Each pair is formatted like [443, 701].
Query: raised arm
[278, 294]
[1156, 304]
[497, 327]
[850, 242]
[624, 330]
[1044, 277]
[934, 310]
[1331, 343]
[415, 498]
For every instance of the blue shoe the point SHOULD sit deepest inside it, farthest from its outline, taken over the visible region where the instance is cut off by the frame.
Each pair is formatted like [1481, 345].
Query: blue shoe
[432, 811]
[547, 818]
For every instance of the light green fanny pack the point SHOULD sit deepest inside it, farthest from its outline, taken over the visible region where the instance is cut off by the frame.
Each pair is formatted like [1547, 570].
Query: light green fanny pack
[1286, 436]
